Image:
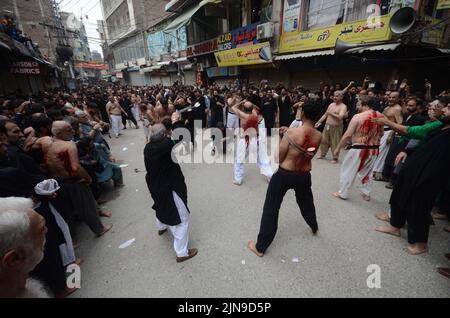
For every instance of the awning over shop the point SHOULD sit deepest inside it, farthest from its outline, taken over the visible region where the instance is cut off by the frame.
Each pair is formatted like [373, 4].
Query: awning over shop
[178, 60]
[44, 62]
[4, 46]
[163, 63]
[303, 55]
[185, 18]
[188, 66]
[382, 47]
[5, 42]
[22, 48]
[151, 68]
[174, 5]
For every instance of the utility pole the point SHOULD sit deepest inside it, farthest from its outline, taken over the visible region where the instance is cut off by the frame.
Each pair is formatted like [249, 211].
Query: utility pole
[63, 42]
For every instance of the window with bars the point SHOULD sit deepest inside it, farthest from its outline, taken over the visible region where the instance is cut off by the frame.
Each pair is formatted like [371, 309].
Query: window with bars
[323, 13]
[359, 10]
[119, 21]
[131, 49]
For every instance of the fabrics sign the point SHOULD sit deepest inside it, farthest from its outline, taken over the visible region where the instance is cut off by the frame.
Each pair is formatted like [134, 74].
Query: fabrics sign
[25, 67]
[291, 15]
[246, 55]
[353, 32]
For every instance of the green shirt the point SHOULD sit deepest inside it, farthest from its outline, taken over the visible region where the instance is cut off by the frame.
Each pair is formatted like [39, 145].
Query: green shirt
[420, 132]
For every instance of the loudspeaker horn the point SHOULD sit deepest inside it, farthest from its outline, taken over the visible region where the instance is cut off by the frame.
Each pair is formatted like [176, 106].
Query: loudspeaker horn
[403, 20]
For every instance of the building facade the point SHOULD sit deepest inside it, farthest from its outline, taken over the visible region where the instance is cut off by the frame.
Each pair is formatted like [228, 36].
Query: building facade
[36, 20]
[28, 47]
[96, 56]
[77, 37]
[126, 22]
[293, 41]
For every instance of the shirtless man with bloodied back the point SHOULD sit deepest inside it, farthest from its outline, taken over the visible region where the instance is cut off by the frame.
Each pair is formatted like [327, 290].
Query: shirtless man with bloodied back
[75, 198]
[359, 161]
[297, 147]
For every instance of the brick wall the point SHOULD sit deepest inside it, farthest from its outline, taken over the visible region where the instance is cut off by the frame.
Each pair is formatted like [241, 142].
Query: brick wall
[29, 13]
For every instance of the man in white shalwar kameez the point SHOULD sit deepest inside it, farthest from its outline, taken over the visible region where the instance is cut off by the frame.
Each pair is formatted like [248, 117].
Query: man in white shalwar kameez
[252, 140]
[394, 113]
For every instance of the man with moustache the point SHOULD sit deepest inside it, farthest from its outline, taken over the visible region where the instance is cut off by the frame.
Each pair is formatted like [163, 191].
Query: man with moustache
[22, 240]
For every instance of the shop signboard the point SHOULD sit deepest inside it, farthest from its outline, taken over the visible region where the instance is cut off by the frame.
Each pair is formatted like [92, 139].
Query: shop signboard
[25, 67]
[247, 55]
[323, 38]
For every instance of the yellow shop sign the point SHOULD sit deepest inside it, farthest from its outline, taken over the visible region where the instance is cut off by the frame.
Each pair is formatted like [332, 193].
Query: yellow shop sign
[353, 32]
[443, 4]
[246, 55]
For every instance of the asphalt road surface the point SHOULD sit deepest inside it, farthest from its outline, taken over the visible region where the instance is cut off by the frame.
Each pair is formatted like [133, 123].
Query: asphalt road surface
[224, 217]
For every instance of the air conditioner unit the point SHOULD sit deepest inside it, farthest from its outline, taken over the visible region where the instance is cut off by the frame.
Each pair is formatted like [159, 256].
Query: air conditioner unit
[265, 31]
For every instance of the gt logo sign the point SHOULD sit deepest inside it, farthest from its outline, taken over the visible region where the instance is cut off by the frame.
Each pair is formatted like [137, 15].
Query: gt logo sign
[324, 36]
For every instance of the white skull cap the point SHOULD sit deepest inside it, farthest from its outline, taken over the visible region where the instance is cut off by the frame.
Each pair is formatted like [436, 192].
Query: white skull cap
[47, 187]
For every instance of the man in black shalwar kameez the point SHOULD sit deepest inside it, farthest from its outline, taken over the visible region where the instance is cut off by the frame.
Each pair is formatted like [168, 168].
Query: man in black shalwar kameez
[165, 181]
[424, 175]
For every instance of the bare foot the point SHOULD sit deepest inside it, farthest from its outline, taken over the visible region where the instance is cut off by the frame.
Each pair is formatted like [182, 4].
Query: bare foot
[388, 230]
[366, 197]
[101, 201]
[106, 228]
[444, 271]
[66, 292]
[383, 216]
[439, 216]
[416, 249]
[321, 157]
[79, 261]
[337, 195]
[105, 214]
[334, 161]
[252, 247]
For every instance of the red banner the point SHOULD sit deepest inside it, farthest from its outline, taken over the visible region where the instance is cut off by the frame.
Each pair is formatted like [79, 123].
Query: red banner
[92, 65]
